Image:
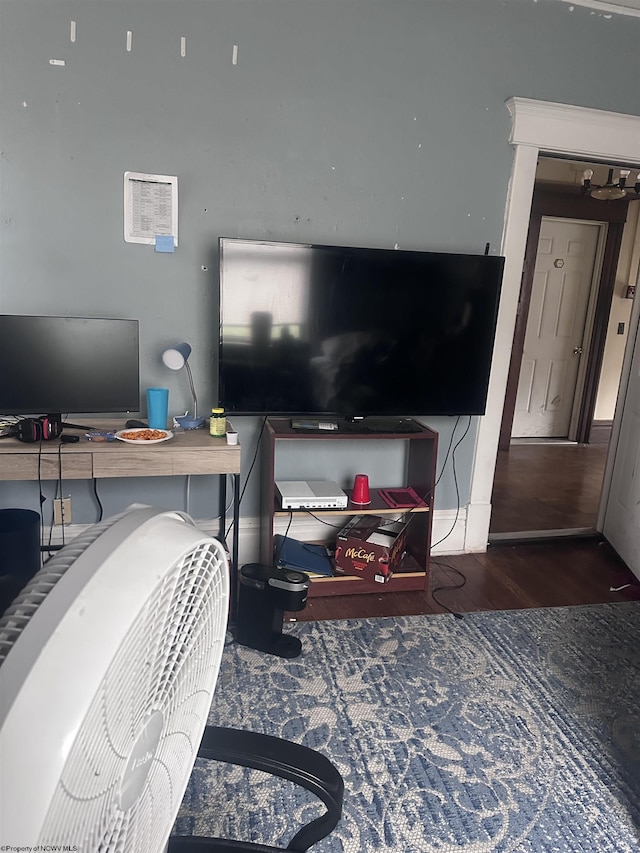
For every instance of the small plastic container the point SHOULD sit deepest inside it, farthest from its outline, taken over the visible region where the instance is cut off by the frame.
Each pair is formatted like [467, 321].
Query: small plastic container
[100, 435]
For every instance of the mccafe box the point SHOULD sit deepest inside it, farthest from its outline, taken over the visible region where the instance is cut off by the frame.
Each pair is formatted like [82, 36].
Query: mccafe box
[370, 548]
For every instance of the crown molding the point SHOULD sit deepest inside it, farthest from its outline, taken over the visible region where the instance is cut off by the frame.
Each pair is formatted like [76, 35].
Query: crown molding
[576, 131]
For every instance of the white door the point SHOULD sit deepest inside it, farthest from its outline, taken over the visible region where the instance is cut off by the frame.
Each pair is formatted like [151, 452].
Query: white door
[554, 340]
[622, 515]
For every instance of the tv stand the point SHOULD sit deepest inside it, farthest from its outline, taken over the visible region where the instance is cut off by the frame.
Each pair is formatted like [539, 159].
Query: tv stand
[418, 472]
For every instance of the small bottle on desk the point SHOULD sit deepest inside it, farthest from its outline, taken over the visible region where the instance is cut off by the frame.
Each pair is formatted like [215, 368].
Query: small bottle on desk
[217, 423]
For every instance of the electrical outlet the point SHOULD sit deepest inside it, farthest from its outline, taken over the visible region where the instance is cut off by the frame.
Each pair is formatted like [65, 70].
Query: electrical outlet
[62, 511]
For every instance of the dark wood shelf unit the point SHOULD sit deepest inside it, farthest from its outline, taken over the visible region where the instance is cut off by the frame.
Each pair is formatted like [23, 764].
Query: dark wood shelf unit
[419, 473]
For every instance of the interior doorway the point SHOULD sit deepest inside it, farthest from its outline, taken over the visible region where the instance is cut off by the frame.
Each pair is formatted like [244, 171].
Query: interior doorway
[554, 435]
[565, 284]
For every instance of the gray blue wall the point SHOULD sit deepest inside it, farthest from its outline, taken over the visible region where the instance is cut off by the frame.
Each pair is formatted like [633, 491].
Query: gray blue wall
[367, 123]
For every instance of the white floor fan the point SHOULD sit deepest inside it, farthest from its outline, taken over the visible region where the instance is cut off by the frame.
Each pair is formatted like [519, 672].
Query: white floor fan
[108, 664]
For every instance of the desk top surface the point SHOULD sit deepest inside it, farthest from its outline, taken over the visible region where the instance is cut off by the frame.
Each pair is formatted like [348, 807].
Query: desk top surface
[189, 451]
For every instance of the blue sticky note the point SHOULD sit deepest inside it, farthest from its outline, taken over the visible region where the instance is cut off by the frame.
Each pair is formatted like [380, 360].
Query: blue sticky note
[164, 243]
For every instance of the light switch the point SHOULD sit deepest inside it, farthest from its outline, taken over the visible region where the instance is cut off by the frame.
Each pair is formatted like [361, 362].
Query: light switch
[621, 328]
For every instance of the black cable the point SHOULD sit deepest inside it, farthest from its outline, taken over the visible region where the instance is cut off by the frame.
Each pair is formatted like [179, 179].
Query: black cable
[322, 521]
[455, 520]
[276, 556]
[449, 588]
[61, 488]
[55, 495]
[455, 481]
[444, 464]
[42, 498]
[97, 497]
[246, 482]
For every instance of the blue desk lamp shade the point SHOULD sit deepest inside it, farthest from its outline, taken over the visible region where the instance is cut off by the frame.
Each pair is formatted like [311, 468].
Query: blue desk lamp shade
[175, 358]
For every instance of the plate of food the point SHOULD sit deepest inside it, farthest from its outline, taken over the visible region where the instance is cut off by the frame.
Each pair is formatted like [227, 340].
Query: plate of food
[144, 435]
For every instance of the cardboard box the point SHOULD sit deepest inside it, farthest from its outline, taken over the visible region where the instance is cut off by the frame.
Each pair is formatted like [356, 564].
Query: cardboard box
[370, 547]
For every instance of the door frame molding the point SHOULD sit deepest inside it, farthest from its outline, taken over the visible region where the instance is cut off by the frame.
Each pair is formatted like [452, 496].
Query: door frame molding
[563, 203]
[548, 128]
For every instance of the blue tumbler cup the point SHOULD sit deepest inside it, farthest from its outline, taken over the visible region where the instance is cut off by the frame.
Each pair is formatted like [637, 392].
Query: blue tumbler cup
[157, 407]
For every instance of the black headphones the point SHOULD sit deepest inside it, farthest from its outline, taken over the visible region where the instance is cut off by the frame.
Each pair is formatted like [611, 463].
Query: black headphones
[38, 429]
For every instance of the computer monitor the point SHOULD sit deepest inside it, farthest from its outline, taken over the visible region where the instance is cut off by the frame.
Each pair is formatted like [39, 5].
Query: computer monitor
[66, 365]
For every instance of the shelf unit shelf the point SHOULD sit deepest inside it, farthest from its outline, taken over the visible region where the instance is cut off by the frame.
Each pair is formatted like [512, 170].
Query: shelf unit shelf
[377, 506]
[419, 473]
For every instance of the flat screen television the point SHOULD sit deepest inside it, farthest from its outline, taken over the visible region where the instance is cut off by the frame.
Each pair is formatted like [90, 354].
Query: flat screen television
[346, 331]
[61, 365]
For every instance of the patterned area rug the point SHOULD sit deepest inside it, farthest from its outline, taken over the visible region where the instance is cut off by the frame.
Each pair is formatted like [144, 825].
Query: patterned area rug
[503, 731]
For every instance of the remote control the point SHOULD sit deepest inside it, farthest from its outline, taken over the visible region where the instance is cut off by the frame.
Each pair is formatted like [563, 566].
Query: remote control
[313, 424]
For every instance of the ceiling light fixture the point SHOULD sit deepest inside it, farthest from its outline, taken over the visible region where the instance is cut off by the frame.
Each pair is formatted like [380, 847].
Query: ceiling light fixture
[611, 190]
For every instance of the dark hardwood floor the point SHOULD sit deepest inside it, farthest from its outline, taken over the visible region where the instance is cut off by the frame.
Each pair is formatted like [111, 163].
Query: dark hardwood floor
[506, 577]
[538, 487]
[547, 486]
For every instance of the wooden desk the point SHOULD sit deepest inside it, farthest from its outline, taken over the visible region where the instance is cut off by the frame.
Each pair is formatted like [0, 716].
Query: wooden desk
[190, 452]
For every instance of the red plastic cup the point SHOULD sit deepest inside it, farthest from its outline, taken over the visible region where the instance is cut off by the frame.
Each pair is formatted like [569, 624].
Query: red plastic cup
[361, 490]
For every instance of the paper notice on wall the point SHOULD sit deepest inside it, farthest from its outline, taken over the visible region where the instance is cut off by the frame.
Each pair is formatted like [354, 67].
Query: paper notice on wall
[150, 207]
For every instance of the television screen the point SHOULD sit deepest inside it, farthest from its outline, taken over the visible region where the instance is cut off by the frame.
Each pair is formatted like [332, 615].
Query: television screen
[68, 364]
[309, 329]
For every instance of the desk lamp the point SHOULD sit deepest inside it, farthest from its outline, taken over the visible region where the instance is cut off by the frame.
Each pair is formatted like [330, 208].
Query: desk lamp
[175, 358]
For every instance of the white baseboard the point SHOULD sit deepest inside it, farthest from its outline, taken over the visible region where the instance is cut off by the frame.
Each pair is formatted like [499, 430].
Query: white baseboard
[478, 518]
[448, 526]
[449, 531]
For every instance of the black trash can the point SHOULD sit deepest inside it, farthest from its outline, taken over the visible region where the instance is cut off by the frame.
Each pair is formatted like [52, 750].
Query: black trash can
[265, 592]
[19, 551]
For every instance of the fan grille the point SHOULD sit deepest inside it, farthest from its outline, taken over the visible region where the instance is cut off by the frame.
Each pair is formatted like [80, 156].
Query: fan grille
[124, 777]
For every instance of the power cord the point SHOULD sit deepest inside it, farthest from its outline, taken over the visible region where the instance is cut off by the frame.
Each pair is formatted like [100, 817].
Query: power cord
[455, 520]
[97, 497]
[276, 556]
[455, 480]
[62, 519]
[50, 546]
[251, 467]
[41, 498]
[446, 458]
[448, 588]
[322, 521]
